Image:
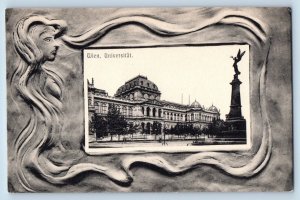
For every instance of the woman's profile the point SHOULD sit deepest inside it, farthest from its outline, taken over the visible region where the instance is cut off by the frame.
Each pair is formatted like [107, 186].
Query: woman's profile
[39, 87]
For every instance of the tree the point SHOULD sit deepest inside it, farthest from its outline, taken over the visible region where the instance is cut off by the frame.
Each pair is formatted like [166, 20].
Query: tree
[133, 128]
[216, 127]
[92, 124]
[189, 129]
[220, 127]
[166, 130]
[116, 123]
[205, 131]
[100, 126]
[156, 128]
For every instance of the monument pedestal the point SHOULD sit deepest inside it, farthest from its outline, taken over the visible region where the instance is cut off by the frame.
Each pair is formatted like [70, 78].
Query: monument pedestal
[235, 122]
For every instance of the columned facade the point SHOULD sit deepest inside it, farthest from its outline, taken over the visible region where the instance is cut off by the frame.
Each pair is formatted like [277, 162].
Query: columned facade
[138, 100]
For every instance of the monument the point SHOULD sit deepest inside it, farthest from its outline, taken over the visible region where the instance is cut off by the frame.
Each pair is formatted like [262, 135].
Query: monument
[235, 122]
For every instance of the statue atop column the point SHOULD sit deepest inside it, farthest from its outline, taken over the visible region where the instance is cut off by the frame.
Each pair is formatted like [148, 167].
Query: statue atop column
[235, 121]
[237, 59]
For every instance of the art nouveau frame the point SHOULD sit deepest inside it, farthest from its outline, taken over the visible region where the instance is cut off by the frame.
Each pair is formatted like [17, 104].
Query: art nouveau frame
[236, 164]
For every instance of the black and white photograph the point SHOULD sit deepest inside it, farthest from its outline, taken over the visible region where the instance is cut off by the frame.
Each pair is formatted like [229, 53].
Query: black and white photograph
[195, 99]
[133, 104]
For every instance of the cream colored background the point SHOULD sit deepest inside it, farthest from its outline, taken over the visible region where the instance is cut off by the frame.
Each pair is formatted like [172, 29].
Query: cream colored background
[203, 72]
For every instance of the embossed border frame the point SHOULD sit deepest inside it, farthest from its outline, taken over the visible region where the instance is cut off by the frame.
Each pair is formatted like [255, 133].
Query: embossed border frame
[246, 29]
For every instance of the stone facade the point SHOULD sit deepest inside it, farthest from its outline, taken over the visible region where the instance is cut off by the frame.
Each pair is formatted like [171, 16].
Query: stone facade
[139, 102]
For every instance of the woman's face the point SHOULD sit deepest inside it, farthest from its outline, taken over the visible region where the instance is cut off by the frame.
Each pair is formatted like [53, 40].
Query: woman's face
[44, 38]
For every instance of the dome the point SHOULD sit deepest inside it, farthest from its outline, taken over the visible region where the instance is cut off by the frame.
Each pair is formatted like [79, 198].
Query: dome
[213, 108]
[196, 104]
[139, 82]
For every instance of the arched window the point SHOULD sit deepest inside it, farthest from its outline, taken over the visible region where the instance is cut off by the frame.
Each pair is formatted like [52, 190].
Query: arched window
[143, 127]
[148, 111]
[154, 112]
[143, 110]
[148, 128]
[130, 111]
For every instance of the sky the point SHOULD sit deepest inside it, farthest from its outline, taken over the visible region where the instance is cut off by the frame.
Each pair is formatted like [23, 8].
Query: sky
[202, 73]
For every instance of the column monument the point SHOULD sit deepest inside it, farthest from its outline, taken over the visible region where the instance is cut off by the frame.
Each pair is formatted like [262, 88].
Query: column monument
[235, 122]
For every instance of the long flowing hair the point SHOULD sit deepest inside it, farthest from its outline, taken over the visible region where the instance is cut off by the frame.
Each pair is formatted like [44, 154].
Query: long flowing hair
[42, 131]
[30, 73]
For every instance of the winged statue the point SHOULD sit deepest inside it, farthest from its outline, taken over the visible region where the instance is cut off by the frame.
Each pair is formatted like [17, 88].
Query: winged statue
[237, 59]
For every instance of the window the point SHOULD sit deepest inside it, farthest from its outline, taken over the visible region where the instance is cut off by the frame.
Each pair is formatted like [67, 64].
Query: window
[124, 111]
[154, 112]
[97, 107]
[102, 108]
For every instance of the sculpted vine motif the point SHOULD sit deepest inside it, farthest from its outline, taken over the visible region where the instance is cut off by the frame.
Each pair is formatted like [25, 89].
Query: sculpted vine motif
[35, 40]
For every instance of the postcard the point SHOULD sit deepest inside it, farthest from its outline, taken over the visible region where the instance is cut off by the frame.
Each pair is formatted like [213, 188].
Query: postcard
[149, 99]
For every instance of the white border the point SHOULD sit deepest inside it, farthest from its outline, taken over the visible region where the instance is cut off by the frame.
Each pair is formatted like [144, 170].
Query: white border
[162, 149]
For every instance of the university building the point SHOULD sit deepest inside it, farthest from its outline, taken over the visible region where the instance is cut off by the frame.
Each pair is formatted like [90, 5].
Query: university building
[138, 100]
